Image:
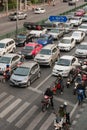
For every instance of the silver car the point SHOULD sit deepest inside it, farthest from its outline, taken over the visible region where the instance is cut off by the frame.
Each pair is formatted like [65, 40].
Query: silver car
[19, 15]
[25, 74]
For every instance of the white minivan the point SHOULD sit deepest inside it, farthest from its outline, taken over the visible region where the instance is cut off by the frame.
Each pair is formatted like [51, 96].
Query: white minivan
[7, 45]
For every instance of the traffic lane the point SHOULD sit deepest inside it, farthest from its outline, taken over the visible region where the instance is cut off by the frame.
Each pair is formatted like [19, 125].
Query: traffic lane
[35, 17]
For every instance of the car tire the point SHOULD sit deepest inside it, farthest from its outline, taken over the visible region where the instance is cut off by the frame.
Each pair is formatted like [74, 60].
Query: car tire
[39, 75]
[51, 63]
[28, 83]
[13, 50]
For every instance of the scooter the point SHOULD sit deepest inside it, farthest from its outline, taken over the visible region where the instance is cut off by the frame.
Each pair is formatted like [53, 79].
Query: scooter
[45, 103]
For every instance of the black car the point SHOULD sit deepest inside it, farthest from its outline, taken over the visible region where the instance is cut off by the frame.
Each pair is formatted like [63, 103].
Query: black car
[23, 39]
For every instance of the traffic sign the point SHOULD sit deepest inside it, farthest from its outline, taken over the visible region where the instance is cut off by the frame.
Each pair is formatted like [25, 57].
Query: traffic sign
[58, 19]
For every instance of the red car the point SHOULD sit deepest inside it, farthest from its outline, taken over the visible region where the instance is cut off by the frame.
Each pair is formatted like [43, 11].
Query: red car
[31, 49]
[79, 12]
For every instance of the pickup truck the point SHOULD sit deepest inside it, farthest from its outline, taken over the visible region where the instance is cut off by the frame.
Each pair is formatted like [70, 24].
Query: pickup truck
[38, 33]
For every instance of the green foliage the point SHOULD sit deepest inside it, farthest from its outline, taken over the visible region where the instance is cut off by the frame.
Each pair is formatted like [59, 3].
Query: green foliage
[35, 1]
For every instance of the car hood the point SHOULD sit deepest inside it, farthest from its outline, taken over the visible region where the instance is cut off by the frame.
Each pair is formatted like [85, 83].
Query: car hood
[74, 21]
[18, 77]
[2, 66]
[40, 56]
[81, 51]
[42, 42]
[76, 37]
[20, 41]
[59, 67]
[64, 45]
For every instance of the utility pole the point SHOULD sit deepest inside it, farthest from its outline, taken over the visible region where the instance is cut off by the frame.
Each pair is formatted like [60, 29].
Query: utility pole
[6, 7]
[17, 18]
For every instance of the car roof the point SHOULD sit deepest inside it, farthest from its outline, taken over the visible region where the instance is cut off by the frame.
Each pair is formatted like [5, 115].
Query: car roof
[78, 31]
[67, 37]
[5, 40]
[29, 64]
[10, 55]
[83, 24]
[67, 57]
[83, 43]
[33, 44]
[49, 46]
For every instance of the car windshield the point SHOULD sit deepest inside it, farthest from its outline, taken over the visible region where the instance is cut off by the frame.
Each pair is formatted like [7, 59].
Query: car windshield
[76, 34]
[5, 60]
[45, 52]
[54, 31]
[82, 47]
[2, 45]
[22, 71]
[63, 62]
[74, 19]
[65, 41]
[28, 47]
[22, 36]
[82, 26]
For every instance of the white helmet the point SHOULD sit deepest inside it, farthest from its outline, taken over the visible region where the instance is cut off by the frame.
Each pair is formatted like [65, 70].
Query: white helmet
[65, 103]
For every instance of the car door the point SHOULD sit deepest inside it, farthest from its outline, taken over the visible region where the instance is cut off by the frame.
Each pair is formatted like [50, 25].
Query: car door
[72, 42]
[37, 49]
[54, 53]
[14, 62]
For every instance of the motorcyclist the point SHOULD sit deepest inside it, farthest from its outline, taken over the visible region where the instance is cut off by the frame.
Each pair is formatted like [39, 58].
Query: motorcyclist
[78, 79]
[7, 72]
[49, 93]
[60, 81]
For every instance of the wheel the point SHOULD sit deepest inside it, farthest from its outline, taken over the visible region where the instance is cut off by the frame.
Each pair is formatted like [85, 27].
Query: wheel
[51, 63]
[28, 83]
[43, 108]
[13, 50]
[38, 75]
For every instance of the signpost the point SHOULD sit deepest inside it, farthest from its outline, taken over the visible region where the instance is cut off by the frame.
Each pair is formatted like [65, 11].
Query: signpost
[62, 19]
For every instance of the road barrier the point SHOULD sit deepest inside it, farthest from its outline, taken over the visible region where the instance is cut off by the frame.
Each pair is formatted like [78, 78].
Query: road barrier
[13, 34]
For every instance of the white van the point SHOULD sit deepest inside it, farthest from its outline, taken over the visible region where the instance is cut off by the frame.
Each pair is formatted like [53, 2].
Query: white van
[71, 2]
[7, 45]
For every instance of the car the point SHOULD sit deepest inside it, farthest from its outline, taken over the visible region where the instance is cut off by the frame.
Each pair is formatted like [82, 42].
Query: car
[19, 15]
[10, 59]
[45, 39]
[76, 21]
[7, 45]
[80, 12]
[66, 44]
[83, 27]
[22, 39]
[56, 33]
[84, 18]
[81, 50]
[31, 49]
[39, 10]
[48, 55]
[78, 36]
[72, 2]
[39, 32]
[68, 27]
[64, 65]
[25, 74]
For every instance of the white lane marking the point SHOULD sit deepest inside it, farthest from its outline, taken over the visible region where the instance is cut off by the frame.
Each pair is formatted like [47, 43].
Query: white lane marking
[43, 81]
[73, 110]
[36, 120]
[18, 112]
[63, 100]
[9, 108]
[35, 90]
[28, 115]
[48, 122]
[3, 95]
[6, 100]
[77, 116]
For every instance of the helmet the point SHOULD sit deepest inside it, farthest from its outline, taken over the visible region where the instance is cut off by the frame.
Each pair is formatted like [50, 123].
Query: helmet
[65, 103]
[79, 75]
[7, 65]
[61, 106]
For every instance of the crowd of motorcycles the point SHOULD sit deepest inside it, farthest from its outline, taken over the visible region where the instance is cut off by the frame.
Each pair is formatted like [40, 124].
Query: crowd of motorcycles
[76, 78]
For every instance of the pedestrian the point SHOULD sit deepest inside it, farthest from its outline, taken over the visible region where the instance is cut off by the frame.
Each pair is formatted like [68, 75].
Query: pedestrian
[53, 2]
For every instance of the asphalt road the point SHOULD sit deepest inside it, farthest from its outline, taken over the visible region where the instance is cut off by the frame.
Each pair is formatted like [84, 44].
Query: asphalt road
[7, 26]
[20, 108]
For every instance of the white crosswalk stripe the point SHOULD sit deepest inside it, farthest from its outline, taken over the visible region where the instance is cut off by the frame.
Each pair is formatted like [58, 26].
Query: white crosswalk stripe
[26, 117]
[35, 121]
[3, 95]
[6, 100]
[18, 112]
[9, 108]
[48, 122]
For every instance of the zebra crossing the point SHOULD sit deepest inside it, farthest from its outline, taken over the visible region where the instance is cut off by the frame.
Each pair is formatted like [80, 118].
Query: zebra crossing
[17, 112]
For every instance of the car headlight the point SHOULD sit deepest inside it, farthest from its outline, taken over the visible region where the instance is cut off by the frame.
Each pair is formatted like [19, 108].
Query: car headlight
[25, 80]
[66, 71]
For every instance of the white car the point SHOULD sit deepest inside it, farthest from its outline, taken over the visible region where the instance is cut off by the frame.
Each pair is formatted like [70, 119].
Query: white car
[56, 33]
[81, 50]
[83, 27]
[76, 21]
[78, 36]
[64, 65]
[39, 10]
[48, 55]
[68, 27]
[66, 44]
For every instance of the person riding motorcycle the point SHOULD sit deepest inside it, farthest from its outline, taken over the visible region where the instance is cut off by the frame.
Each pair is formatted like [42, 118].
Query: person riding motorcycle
[78, 79]
[49, 93]
[7, 72]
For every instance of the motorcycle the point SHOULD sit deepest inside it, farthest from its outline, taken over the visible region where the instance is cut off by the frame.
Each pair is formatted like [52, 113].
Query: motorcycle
[58, 123]
[45, 103]
[68, 83]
